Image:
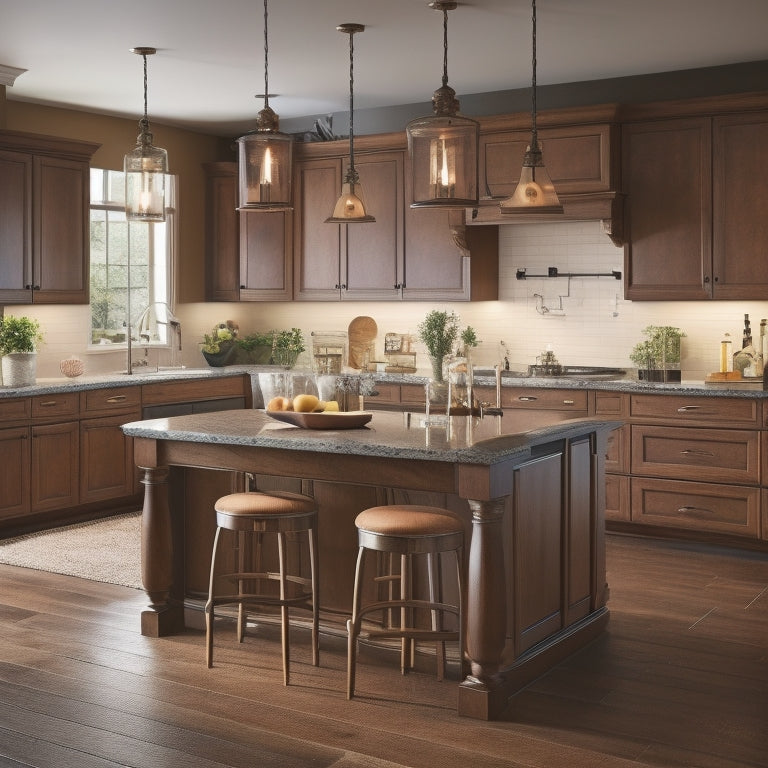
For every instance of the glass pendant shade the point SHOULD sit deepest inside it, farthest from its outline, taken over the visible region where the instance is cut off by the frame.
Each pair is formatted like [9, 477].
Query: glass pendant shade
[350, 207]
[443, 147]
[443, 153]
[535, 192]
[265, 162]
[145, 169]
[265, 156]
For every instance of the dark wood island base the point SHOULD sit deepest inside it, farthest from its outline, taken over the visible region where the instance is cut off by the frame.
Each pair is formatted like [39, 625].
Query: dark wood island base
[533, 504]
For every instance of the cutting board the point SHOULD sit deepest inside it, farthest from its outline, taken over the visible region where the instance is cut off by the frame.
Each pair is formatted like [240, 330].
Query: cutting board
[361, 335]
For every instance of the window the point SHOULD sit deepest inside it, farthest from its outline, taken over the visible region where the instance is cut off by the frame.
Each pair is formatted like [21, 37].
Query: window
[131, 267]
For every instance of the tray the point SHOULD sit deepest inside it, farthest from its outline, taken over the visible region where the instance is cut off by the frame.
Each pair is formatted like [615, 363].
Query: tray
[324, 420]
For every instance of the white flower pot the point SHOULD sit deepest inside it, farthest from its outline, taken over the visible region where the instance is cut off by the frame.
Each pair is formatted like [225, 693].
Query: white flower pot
[19, 369]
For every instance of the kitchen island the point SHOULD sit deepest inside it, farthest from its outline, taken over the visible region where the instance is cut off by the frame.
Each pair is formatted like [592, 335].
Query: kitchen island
[534, 503]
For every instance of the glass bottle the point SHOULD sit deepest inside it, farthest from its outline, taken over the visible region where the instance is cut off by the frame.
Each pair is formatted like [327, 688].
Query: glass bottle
[726, 354]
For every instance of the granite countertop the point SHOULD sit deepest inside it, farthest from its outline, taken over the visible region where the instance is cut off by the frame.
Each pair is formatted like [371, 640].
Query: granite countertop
[388, 435]
[747, 388]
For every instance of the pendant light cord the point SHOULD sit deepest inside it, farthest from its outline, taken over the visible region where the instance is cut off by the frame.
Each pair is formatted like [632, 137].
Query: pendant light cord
[146, 119]
[266, 56]
[445, 47]
[535, 136]
[352, 104]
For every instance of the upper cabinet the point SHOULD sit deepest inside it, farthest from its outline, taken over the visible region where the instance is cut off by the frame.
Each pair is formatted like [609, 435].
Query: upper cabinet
[695, 203]
[248, 253]
[44, 219]
[349, 261]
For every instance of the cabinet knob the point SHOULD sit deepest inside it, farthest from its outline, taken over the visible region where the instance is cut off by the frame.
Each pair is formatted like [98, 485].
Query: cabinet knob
[343, 286]
[35, 287]
[242, 287]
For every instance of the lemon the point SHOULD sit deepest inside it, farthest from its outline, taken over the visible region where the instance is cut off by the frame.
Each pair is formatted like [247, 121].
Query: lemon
[331, 405]
[305, 403]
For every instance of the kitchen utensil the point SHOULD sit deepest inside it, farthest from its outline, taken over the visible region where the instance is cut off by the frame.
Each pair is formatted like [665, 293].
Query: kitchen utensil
[361, 334]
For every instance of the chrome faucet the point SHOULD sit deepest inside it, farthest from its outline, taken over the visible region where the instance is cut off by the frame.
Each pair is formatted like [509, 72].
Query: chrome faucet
[146, 327]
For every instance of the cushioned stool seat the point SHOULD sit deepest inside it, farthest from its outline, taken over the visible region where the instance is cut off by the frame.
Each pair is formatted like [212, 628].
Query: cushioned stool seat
[409, 531]
[251, 516]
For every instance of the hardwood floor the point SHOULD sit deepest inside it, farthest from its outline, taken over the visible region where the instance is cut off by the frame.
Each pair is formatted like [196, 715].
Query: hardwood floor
[679, 679]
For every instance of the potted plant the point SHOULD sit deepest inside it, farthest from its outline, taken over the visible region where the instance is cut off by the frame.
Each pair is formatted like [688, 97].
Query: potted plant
[19, 337]
[438, 331]
[218, 346]
[658, 357]
[287, 346]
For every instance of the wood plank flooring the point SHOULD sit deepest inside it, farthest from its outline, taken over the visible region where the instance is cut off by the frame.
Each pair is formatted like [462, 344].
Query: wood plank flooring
[679, 679]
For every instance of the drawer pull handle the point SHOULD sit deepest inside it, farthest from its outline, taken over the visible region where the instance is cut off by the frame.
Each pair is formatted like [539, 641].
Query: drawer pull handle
[527, 398]
[694, 452]
[693, 510]
[567, 402]
[116, 399]
[685, 408]
[48, 404]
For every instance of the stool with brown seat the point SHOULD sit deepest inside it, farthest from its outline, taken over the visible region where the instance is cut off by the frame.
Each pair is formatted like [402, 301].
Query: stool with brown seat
[251, 516]
[409, 531]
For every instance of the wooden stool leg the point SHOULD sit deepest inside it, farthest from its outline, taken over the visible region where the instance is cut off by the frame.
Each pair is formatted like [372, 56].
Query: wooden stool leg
[311, 533]
[209, 612]
[285, 626]
[353, 625]
[435, 596]
[240, 566]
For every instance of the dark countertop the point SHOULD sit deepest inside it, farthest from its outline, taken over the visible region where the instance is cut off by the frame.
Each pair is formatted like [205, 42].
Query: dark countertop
[747, 389]
[388, 435]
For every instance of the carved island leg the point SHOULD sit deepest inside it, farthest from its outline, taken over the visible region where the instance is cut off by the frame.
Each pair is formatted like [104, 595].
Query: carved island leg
[163, 616]
[481, 694]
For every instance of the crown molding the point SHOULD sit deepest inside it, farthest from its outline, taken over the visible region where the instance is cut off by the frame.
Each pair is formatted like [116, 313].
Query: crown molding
[8, 74]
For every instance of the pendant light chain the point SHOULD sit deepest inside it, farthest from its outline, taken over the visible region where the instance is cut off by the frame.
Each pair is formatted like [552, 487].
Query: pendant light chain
[266, 55]
[535, 135]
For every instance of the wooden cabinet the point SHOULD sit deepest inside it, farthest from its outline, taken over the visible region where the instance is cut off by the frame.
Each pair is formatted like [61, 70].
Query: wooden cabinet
[349, 261]
[54, 466]
[14, 472]
[44, 219]
[248, 253]
[695, 202]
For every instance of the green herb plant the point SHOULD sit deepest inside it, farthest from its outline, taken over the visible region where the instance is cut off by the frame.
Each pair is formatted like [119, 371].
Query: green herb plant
[662, 347]
[19, 334]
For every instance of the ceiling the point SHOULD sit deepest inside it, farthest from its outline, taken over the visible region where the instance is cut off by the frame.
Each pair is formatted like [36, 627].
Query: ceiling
[210, 60]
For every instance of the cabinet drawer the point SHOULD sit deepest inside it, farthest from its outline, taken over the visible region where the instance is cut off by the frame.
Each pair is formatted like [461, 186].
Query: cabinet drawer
[413, 394]
[190, 391]
[715, 455]
[730, 509]
[535, 398]
[17, 409]
[108, 400]
[725, 411]
[60, 404]
[387, 393]
[609, 404]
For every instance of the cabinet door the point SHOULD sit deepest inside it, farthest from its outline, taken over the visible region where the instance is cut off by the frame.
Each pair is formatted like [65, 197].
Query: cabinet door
[317, 245]
[374, 251]
[107, 470]
[577, 158]
[54, 466]
[266, 269]
[222, 244]
[667, 178]
[740, 226]
[15, 227]
[61, 246]
[14, 472]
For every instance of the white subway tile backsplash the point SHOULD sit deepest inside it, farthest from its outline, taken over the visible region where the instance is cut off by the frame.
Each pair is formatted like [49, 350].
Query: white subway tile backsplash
[589, 321]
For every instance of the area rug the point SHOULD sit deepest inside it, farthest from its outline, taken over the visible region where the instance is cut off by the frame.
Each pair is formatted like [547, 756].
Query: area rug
[107, 550]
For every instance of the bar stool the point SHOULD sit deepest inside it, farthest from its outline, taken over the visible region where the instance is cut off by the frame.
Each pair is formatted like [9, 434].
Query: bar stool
[251, 516]
[407, 530]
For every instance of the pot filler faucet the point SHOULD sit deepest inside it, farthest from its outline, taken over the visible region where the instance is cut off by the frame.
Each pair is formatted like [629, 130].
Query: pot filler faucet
[148, 333]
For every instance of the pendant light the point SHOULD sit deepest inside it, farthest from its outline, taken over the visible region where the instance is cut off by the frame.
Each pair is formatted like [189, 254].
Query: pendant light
[145, 167]
[350, 207]
[265, 156]
[535, 192]
[443, 147]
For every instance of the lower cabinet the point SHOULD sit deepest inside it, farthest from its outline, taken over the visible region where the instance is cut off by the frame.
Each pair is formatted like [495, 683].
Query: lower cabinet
[54, 466]
[14, 472]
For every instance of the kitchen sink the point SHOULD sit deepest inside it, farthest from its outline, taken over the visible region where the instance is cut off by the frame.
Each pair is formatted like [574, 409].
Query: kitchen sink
[170, 372]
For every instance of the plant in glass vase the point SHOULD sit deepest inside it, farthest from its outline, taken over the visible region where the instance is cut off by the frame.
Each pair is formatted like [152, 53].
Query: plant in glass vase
[439, 331]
